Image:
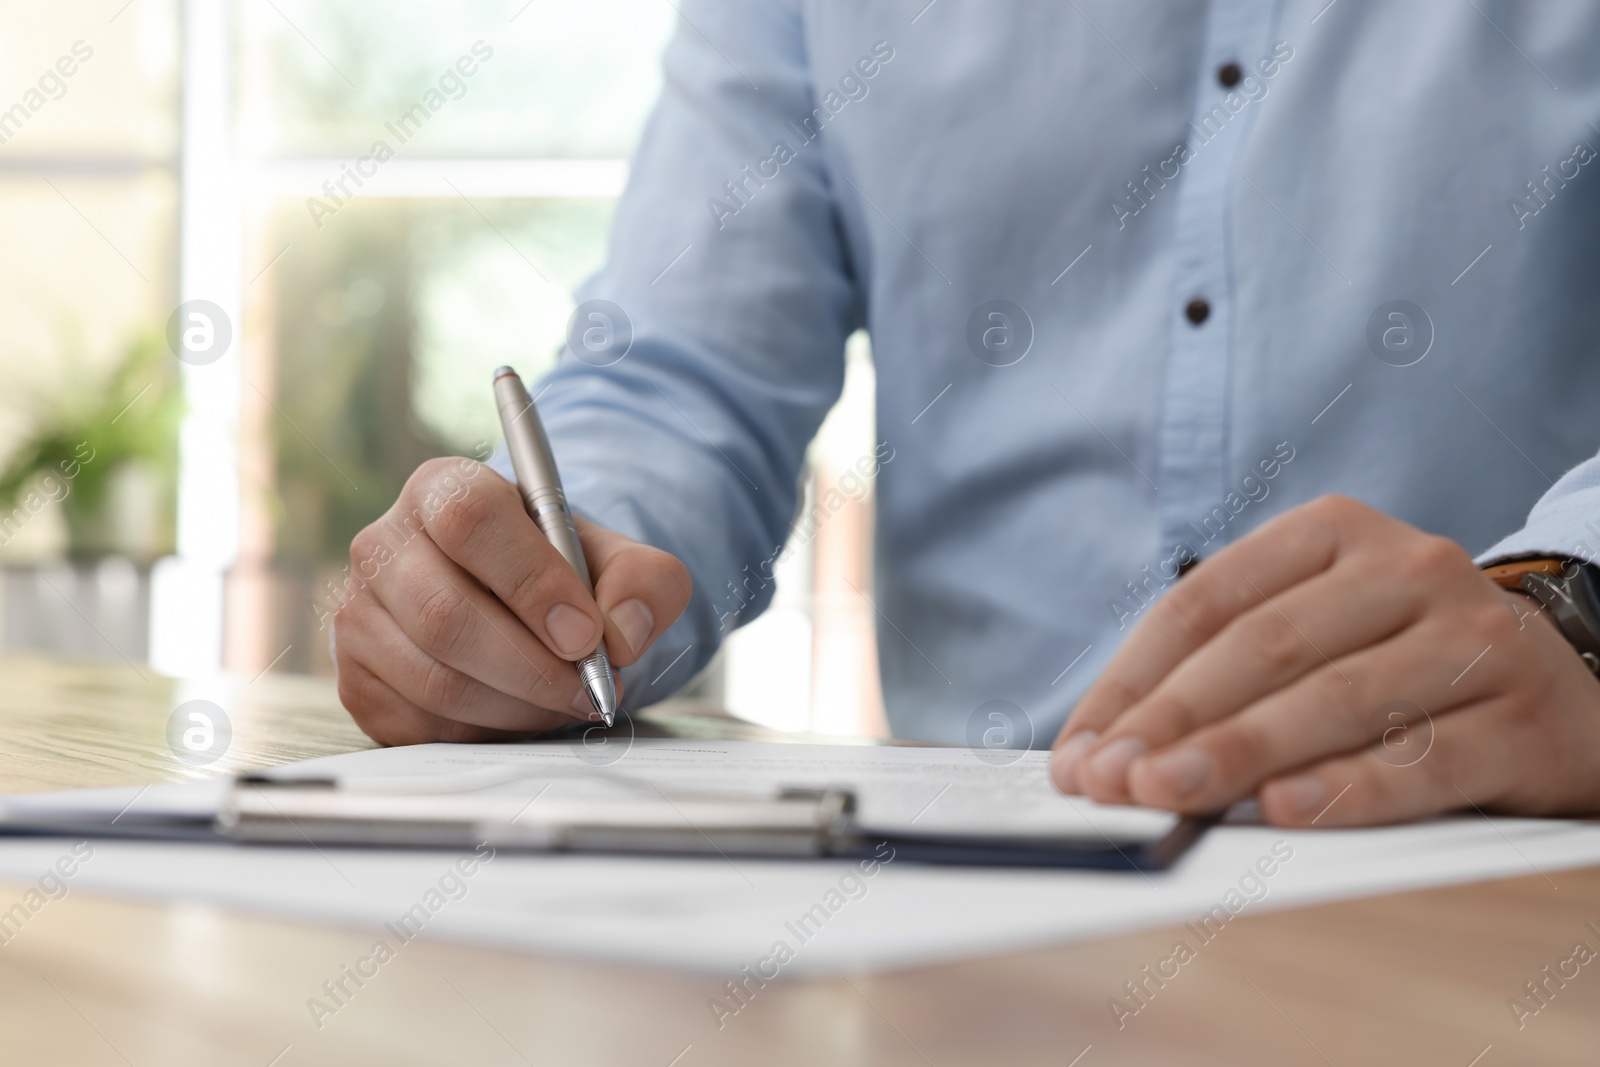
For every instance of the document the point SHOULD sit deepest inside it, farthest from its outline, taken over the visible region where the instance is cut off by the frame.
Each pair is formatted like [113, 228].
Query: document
[719, 913]
[904, 789]
[931, 789]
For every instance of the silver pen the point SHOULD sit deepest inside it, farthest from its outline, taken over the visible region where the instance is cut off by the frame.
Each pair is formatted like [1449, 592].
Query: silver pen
[540, 485]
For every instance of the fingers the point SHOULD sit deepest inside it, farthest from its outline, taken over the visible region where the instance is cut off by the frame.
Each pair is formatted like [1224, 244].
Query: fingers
[1265, 651]
[373, 637]
[1385, 704]
[1529, 742]
[449, 617]
[480, 523]
[1330, 559]
[1465, 766]
[1378, 695]
[1282, 553]
[464, 612]
[1429, 693]
[641, 590]
[389, 719]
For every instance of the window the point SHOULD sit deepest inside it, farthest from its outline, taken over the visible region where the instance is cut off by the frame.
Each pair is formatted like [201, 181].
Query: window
[372, 205]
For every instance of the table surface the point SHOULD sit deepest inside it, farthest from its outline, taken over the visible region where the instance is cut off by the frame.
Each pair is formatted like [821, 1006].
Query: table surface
[1408, 978]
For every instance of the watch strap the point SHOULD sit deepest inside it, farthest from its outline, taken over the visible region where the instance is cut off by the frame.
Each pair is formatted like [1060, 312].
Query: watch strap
[1509, 574]
[1568, 589]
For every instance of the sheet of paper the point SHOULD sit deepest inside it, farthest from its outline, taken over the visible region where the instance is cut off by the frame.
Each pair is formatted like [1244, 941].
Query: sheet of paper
[929, 789]
[718, 915]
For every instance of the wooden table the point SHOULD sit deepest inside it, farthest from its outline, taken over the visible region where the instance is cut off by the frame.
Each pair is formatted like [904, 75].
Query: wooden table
[1414, 978]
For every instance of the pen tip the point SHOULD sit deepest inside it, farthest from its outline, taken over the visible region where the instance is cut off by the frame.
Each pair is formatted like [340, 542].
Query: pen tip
[596, 672]
[502, 371]
[605, 705]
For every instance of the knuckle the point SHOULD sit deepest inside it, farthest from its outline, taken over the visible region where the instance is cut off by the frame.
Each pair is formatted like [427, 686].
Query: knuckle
[369, 701]
[1273, 641]
[352, 687]
[456, 732]
[362, 694]
[1440, 773]
[392, 732]
[461, 517]
[443, 619]
[1522, 710]
[346, 618]
[1240, 748]
[1106, 699]
[445, 688]
[365, 544]
[1172, 715]
[1489, 622]
[536, 688]
[1375, 787]
[430, 473]
[1345, 688]
[1336, 509]
[391, 728]
[526, 588]
[470, 469]
[1190, 611]
[1434, 555]
[536, 681]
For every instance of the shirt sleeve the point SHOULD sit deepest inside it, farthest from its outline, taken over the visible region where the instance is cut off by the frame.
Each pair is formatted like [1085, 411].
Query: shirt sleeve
[1565, 522]
[705, 354]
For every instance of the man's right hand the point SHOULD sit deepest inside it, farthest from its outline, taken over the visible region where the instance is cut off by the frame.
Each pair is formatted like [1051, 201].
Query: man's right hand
[461, 622]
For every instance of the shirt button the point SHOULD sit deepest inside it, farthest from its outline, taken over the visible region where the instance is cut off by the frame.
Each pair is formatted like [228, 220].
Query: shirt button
[1229, 74]
[1197, 311]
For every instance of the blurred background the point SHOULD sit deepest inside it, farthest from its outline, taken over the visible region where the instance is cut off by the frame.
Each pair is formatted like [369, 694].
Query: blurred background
[202, 177]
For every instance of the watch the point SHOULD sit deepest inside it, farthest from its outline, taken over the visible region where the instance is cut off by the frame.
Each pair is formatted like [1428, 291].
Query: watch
[1568, 588]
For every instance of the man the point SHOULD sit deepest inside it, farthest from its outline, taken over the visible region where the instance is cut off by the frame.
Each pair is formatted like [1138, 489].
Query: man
[1301, 291]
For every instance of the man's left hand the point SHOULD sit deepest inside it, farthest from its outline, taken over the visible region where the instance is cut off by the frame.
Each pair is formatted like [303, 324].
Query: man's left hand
[1349, 669]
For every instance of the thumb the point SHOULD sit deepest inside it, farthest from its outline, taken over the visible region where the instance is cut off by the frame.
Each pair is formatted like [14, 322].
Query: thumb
[641, 590]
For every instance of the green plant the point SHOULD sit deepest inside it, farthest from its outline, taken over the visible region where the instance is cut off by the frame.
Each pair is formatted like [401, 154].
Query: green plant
[85, 438]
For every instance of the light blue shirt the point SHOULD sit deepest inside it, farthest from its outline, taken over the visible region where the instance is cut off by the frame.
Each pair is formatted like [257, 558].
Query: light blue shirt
[1392, 218]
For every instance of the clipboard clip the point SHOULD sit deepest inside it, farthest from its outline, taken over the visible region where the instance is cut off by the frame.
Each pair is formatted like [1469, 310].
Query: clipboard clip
[791, 823]
[637, 817]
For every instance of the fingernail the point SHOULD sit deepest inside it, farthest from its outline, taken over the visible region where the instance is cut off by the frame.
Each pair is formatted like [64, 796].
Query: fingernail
[1303, 794]
[570, 629]
[1064, 760]
[1182, 771]
[636, 621]
[1110, 764]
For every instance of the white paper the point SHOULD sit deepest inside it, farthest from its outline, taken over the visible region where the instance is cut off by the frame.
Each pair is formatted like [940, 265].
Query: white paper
[720, 914]
[926, 789]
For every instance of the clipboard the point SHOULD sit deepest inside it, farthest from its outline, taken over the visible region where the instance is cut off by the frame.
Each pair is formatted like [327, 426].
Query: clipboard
[634, 818]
